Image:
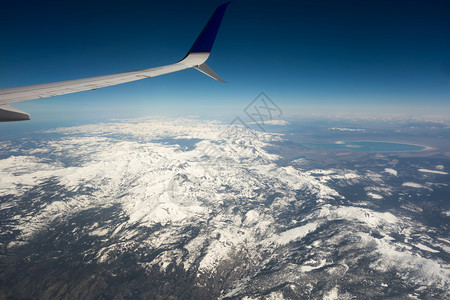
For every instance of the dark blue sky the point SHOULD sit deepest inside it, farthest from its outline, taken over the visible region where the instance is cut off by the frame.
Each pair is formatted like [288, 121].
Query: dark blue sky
[309, 56]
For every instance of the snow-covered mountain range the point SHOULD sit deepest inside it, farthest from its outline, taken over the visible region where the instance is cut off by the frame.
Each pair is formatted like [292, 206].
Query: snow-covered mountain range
[200, 209]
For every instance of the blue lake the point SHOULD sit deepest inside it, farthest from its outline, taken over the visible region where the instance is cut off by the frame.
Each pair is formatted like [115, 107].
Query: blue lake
[368, 146]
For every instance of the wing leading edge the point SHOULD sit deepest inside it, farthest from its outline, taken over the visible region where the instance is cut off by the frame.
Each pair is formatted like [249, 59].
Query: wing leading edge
[195, 58]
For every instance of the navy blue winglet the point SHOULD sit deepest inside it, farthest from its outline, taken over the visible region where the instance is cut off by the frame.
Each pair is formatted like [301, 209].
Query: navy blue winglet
[205, 40]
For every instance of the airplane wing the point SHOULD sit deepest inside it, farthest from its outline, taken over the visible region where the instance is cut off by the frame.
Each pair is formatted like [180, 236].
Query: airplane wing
[195, 58]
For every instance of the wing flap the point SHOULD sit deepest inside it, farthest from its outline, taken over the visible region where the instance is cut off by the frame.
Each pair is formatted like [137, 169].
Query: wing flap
[9, 113]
